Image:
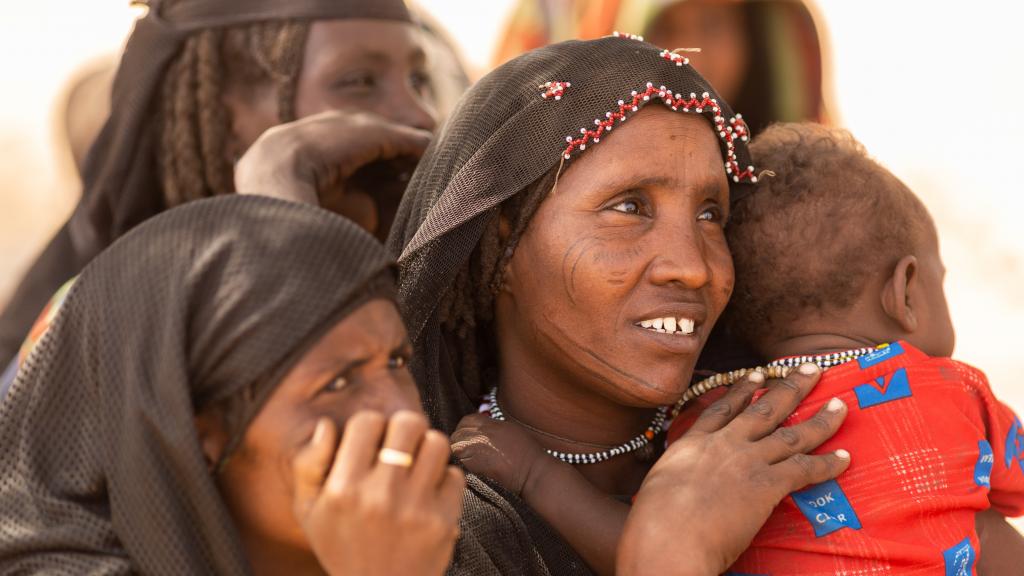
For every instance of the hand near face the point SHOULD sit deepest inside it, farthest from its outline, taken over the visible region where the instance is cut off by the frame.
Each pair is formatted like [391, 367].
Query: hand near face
[717, 485]
[501, 451]
[313, 160]
[366, 516]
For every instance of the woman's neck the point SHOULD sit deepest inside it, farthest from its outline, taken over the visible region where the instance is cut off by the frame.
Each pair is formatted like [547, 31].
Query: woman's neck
[568, 417]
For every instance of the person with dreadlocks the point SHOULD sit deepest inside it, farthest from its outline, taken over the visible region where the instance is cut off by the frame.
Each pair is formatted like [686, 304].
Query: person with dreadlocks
[561, 269]
[197, 412]
[199, 81]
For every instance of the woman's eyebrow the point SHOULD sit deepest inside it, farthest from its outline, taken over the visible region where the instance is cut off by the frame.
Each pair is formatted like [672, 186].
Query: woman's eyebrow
[709, 189]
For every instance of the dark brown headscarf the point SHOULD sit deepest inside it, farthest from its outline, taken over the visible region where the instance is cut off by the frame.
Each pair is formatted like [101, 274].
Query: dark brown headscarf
[101, 470]
[121, 186]
[502, 137]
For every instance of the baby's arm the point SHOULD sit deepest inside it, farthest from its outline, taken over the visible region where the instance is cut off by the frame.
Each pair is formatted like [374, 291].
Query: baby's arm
[589, 520]
[1002, 546]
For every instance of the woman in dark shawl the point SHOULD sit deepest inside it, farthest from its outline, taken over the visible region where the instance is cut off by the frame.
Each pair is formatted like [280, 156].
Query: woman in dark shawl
[582, 285]
[180, 414]
[569, 284]
[199, 80]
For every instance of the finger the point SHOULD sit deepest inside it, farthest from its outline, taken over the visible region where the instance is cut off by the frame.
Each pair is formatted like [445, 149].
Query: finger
[358, 451]
[311, 464]
[474, 420]
[431, 460]
[805, 436]
[765, 414]
[469, 427]
[405, 431]
[722, 411]
[802, 470]
[367, 138]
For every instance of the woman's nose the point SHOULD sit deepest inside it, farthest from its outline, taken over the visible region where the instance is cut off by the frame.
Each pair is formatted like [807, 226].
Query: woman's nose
[680, 258]
[407, 106]
[394, 392]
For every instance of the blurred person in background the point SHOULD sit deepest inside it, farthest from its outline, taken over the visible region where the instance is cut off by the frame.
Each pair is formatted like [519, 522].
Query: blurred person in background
[764, 56]
[199, 82]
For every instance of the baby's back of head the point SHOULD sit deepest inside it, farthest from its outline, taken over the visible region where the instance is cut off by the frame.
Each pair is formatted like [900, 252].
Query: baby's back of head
[814, 237]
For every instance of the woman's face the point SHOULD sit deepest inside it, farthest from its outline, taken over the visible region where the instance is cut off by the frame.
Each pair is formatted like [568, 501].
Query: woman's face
[358, 65]
[358, 365]
[628, 248]
[719, 29]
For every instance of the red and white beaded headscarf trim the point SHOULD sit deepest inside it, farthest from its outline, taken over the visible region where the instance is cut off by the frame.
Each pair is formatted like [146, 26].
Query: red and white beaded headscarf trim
[729, 130]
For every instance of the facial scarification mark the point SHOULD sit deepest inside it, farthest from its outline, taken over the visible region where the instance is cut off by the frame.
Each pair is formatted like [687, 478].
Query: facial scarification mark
[566, 337]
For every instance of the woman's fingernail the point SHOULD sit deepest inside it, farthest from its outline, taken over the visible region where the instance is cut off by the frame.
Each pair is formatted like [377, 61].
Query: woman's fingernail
[835, 405]
[320, 431]
[808, 368]
[756, 377]
[842, 454]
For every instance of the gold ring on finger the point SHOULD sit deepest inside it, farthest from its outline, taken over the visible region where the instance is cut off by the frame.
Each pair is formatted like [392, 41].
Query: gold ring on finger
[394, 457]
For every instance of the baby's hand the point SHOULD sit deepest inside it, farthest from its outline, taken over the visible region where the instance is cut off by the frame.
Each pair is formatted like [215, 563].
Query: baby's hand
[502, 451]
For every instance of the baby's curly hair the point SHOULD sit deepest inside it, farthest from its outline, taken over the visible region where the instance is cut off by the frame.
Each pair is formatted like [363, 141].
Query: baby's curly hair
[811, 237]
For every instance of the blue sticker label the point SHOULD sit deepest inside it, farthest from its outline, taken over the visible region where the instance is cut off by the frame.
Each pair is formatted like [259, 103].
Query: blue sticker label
[983, 468]
[877, 357]
[826, 508]
[960, 559]
[881, 390]
[1015, 445]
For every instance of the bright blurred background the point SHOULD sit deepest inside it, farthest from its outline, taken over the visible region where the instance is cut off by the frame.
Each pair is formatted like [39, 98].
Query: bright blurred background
[933, 89]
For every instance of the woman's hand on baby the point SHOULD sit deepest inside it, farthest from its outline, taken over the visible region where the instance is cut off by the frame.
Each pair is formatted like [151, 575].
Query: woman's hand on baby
[298, 160]
[501, 451]
[716, 486]
[366, 509]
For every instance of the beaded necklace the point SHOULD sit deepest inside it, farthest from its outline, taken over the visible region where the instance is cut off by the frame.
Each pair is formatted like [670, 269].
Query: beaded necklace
[632, 445]
[776, 369]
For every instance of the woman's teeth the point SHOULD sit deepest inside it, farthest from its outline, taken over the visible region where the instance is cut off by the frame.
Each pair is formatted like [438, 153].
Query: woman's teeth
[668, 325]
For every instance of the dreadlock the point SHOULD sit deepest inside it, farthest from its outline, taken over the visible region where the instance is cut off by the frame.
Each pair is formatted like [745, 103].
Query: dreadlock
[195, 123]
[467, 307]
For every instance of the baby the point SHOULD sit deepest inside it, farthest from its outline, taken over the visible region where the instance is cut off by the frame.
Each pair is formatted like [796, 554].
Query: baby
[857, 289]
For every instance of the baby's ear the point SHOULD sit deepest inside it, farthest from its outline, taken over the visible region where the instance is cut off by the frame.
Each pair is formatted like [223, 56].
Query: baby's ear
[896, 294]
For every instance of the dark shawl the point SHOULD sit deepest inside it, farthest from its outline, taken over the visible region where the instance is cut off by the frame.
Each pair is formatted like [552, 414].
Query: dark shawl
[101, 471]
[500, 138]
[121, 185]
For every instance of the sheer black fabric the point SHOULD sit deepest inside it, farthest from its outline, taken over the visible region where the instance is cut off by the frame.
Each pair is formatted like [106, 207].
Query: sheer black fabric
[501, 137]
[101, 471]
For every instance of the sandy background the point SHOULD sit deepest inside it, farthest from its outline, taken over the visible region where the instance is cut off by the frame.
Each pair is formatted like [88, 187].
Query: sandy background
[932, 88]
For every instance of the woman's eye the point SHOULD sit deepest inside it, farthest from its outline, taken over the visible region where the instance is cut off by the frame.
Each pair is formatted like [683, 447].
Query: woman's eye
[420, 82]
[713, 214]
[360, 80]
[627, 207]
[396, 362]
[336, 384]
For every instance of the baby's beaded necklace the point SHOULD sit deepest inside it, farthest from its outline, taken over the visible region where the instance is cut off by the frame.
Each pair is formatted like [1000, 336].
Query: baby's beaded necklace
[777, 369]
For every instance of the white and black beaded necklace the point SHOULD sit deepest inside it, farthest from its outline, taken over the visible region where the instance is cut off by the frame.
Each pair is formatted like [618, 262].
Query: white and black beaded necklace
[632, 445]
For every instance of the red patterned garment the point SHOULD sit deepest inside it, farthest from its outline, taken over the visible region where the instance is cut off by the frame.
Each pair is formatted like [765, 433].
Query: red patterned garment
[931, 446]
